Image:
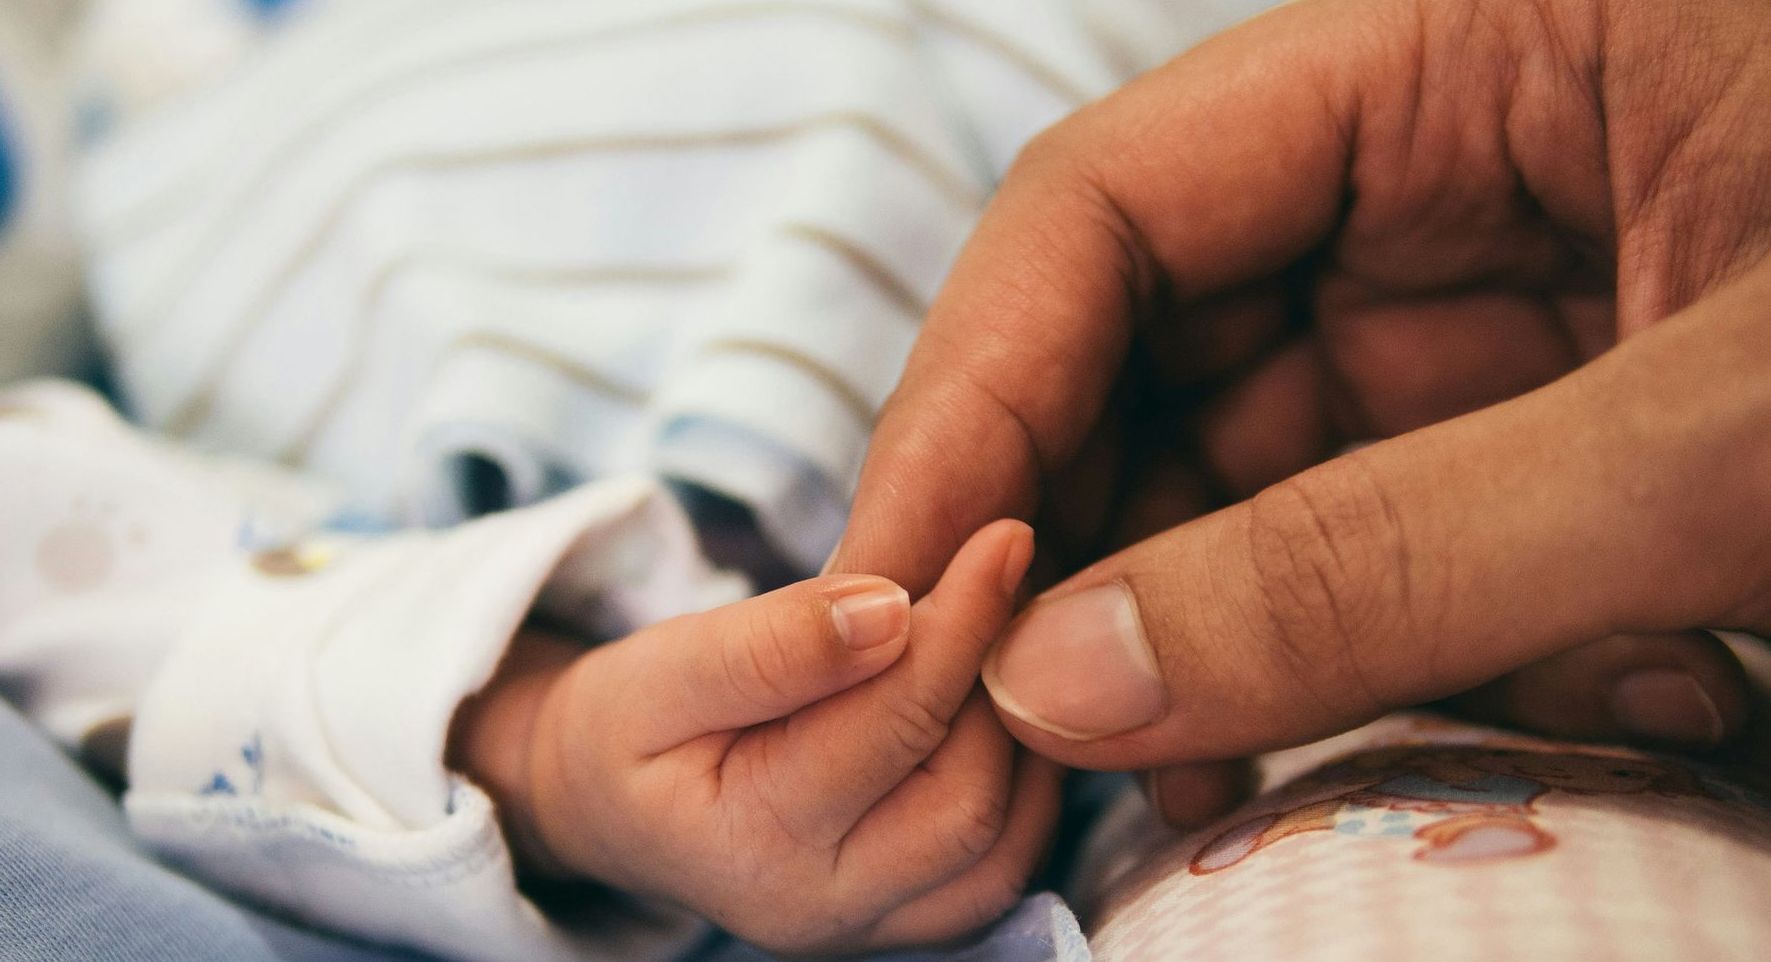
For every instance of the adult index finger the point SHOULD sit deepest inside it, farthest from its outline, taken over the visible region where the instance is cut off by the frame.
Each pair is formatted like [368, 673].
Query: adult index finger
[1224, 165]
[1622, 499]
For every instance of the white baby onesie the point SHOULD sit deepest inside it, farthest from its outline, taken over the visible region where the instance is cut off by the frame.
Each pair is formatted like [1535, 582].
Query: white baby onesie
[291, 688]
[455, 255]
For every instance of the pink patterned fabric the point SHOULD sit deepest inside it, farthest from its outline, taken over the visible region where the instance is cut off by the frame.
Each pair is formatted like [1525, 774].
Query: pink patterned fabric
[1421, 839]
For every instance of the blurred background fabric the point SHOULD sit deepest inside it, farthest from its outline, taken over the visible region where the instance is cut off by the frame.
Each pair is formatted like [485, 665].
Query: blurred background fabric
[460, 255]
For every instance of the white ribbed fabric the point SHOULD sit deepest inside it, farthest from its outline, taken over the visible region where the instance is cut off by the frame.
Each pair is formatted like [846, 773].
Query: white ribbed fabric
[538, 242]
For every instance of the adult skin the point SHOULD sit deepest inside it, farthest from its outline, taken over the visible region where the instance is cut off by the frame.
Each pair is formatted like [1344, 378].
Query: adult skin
[1521, 243]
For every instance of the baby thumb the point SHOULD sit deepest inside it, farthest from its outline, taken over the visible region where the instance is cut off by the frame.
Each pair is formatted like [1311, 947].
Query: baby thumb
[758, 660]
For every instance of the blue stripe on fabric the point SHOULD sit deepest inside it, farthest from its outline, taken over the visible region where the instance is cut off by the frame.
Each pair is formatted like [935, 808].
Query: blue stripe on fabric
[268, 9]
[9, 177]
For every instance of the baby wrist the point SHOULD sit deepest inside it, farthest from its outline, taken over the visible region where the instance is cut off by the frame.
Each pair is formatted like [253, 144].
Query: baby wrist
[492, 742]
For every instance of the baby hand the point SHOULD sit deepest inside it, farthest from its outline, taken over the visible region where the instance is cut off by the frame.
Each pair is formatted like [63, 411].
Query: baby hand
[815, 770]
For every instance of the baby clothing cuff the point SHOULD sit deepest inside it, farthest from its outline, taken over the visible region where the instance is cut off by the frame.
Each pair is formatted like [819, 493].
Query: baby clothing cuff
[291, 747]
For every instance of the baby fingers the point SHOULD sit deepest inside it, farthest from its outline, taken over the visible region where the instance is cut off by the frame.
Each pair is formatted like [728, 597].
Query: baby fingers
[960, 823]
[752, 662]
[992, 884]
[937, 822]
[835, 760]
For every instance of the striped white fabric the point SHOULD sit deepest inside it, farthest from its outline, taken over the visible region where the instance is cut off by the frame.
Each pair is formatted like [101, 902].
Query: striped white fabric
[39, 267]
[460, 254]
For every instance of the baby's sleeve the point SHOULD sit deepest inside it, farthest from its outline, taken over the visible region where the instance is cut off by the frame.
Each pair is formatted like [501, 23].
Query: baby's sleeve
[109, 542]
[289, 690]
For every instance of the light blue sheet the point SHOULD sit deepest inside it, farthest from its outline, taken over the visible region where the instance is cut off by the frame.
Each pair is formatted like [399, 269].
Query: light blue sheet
[75, 887]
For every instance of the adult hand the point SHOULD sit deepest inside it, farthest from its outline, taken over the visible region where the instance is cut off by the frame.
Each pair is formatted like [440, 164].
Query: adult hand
[1351, 220]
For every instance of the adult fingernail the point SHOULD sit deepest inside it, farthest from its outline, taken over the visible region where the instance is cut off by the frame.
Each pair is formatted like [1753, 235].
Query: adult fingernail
[1079, 667]
[1669, 706]
[871, 618]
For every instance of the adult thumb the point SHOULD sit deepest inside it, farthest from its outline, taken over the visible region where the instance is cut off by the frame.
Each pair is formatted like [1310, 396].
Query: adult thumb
[1626, 498]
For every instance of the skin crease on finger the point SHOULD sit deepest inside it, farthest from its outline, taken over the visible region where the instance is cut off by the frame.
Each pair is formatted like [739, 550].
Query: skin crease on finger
[1473, 265]
[1554, 175]
[1481, 177]
[1668, 432]
[826, 741]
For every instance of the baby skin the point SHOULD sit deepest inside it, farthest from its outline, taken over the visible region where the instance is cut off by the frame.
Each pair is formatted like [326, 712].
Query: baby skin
[815, 769]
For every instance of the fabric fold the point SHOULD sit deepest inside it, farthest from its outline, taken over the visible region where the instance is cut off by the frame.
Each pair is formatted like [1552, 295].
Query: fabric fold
[291, 746]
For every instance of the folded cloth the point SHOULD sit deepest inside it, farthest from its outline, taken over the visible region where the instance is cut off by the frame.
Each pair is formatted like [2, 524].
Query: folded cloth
[461, 254]
[287, 690]
[67, 859]
[109, 541]
[252, 761]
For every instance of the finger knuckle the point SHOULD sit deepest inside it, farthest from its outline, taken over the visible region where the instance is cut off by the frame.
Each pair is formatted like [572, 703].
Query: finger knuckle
[1331, 566]
[1071, 144]
[772, 814]
[916, 727]
[758, 661]
[974, 820]
[1053, 146]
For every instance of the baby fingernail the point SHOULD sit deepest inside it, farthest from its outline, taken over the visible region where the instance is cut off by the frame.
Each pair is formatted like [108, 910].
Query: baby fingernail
[871, 618]
[1667, 705]
[1079, 667]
